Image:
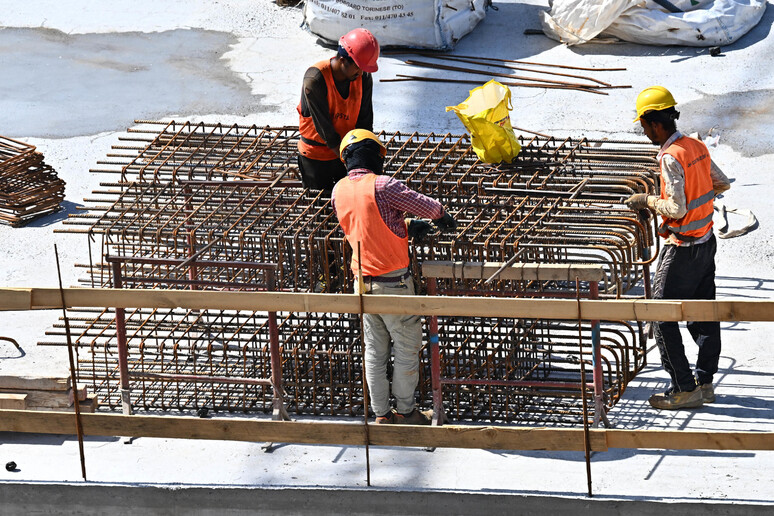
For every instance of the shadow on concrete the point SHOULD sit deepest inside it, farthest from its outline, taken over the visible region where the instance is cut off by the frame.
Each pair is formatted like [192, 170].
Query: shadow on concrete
[16, 349]
[67, 208]
[51, 439]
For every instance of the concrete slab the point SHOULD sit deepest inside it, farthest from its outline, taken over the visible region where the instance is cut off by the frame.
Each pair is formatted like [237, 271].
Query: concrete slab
[250, 57]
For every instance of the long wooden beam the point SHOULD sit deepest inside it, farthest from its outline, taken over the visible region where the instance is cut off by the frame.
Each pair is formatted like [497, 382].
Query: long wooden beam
[352, 434]
[627, 310]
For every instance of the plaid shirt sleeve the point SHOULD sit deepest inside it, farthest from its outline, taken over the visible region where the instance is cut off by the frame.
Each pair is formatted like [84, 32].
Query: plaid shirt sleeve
[394, 199]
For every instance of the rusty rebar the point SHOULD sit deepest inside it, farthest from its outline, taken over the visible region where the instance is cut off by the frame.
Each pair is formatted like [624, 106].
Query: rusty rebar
[29, 188]
[197, 205]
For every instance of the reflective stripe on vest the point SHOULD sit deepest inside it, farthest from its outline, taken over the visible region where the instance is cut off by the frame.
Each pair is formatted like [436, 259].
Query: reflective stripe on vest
[381, 250]
[343, 113]
[694, 157]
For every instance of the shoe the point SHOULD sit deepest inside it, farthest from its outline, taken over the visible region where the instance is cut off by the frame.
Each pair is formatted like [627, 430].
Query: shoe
[707, 393]
[416, 417]
[671, 400]
[387, 419]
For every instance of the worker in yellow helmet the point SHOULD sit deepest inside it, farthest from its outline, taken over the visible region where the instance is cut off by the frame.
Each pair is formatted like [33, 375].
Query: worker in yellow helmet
[371, 208]
[686, 267]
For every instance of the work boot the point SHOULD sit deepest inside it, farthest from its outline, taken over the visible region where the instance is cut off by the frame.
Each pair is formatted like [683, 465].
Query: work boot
[416, 417]
[671, 400]
[707, 393]
[387, 419]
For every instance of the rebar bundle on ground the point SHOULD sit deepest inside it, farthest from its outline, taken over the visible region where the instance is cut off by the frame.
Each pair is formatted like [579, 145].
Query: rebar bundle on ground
[29, 188]
[194, 205]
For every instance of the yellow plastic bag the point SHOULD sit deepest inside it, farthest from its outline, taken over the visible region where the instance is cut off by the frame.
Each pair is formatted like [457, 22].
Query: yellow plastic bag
[486, 115]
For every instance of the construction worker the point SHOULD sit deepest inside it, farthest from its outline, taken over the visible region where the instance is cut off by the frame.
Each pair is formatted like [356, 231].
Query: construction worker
[371, 208]
[335, 98]
[686, 265]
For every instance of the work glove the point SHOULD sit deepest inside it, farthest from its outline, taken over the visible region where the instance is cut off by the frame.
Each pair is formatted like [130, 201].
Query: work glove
[637, 201]
[445, 222]
[419, 229]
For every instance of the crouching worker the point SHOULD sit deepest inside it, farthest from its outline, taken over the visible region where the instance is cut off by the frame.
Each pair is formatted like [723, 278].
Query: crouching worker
[370, 208]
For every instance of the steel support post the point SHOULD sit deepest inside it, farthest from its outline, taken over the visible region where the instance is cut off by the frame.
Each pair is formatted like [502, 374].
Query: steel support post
[123, 349]
[600, 411]
[435, 361]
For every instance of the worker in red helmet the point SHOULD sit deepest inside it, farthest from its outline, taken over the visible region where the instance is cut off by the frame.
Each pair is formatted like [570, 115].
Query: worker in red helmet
[335, 98]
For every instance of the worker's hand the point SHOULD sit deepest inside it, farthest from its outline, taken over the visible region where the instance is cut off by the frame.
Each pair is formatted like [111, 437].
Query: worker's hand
[446, 222]
[419, 229]
[720, 188]
[637, 201]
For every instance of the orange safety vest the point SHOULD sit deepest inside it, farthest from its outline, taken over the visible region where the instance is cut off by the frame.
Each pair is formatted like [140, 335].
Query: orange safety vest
[381, 250]
[694, 157]
[343, 113]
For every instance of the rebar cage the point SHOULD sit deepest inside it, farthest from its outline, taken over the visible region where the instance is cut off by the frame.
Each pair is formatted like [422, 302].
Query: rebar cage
[195, 204]
[29, 188]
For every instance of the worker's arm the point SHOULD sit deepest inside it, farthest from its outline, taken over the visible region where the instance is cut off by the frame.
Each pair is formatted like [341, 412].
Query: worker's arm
[365, 119]
[401, 198]
[394, 199]
[314, 103]
[720, 182]
[673, 206]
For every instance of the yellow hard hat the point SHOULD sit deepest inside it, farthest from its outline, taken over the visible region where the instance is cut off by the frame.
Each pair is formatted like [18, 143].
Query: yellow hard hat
[654, 98]
[358, 135]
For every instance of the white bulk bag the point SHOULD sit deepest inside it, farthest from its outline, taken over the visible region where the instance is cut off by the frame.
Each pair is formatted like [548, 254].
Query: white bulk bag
[711, 24]
[436, 24]
[702, 22]
[578, 21]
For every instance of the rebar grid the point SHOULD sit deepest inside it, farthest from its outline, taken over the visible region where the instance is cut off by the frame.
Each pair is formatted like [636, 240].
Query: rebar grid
[191, 197]
[321, 362]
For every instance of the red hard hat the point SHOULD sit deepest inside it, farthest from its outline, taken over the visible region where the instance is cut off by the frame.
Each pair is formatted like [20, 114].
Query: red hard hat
[362, 47]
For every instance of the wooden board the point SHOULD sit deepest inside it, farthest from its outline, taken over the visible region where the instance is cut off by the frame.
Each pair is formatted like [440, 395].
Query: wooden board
[41, 383]
[49, 399]
[308, 432]
[690, 440]
[613, 310]
[13, 401]
[500, 438]
[88, 406]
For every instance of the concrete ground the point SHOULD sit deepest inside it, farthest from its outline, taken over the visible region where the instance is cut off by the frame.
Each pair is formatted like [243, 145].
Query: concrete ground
[75, 78]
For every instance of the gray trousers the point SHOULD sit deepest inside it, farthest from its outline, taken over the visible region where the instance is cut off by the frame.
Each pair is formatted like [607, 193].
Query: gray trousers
[401, 334]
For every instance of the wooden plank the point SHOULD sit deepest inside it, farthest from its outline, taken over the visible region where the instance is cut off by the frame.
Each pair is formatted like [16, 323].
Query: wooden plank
[500, 438]
[690, 440]
[49, 399]
[41, 383]
[309, 432]
[16, 299]
[485, 437]
[349, 303]
[13, 401]
[87, 406]
[516, 271]
[728, 311]
[627, 310]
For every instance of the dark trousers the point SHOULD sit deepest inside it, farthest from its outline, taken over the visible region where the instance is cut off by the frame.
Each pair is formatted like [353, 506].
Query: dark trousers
[320, 175]
[687, 273]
